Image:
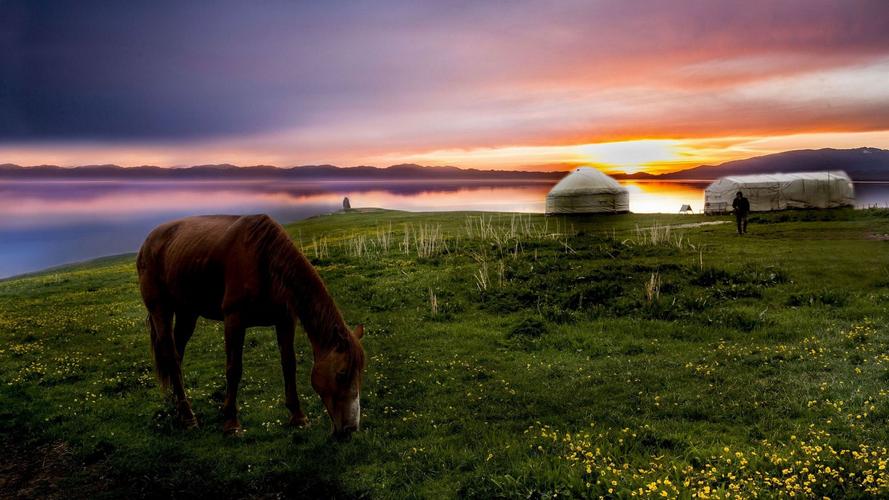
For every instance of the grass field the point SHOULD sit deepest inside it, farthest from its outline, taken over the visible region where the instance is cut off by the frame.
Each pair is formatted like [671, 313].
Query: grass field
[513, 356]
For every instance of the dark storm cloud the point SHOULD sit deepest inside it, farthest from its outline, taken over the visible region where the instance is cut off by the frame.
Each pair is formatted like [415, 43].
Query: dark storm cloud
[107, 69]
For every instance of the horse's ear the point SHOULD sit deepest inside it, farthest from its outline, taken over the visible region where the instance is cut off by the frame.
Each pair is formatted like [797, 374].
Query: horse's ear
[359, 331]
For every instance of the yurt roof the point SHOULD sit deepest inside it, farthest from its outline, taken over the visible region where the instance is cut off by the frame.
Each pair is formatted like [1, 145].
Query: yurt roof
[586, 180]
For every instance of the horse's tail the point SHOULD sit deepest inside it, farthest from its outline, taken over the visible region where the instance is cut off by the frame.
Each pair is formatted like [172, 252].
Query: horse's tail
[164, 355]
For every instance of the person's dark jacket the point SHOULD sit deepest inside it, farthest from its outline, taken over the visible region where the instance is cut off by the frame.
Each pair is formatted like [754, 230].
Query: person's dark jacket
[741, 206]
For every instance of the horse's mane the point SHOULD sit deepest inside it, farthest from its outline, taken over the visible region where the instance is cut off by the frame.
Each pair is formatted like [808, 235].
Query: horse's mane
[293, 278]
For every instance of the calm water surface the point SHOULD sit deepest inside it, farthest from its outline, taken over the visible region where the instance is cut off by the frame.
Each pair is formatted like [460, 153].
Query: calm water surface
[44, 224]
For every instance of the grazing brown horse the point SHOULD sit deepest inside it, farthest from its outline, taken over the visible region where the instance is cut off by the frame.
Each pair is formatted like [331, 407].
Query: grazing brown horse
[246, 272]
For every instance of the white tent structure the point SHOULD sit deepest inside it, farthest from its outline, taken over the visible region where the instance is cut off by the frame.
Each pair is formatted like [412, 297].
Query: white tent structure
[827, 189]
[587, 191]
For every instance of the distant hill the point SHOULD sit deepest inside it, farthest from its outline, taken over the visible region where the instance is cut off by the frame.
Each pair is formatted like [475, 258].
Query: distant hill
[307, 172]
[862, 164]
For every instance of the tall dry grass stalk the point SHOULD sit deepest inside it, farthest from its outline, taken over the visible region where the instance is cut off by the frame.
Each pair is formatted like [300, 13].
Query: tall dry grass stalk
[653, 288]
[481, 277]
[406, 240]
[384, 238]
[320, 247]
[433, 302]
[659, 235]
[427, 240]
[357, 246]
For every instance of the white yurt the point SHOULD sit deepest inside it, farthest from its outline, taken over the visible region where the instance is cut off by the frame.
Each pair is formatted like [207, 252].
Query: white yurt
[587, 191]
[827, 189]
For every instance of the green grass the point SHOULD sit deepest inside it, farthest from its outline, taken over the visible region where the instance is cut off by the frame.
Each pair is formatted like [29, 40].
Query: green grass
[507, 356]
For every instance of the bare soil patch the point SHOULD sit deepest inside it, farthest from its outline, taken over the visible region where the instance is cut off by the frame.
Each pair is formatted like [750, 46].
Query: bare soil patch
[44, 471]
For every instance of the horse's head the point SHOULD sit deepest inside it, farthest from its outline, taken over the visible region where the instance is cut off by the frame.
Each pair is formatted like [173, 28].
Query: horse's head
[336, 377]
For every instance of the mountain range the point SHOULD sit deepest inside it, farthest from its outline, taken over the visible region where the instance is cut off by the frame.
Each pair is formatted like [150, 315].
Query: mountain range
[862, 164]
[228, 171]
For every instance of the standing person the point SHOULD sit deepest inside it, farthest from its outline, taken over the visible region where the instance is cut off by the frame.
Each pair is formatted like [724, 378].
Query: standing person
[741, 208]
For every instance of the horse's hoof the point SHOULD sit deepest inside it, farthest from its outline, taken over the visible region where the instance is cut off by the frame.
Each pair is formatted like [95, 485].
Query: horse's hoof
[186, 415]
[233, 429]
[299, 421]
[234, 432]
[190, 423]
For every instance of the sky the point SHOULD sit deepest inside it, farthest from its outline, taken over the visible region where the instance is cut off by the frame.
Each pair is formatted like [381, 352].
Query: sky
[532, 85]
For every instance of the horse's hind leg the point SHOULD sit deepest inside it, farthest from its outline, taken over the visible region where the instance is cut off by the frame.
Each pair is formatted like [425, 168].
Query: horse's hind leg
[234, 353]
[167, 360]
[182, 332]
[284, 332]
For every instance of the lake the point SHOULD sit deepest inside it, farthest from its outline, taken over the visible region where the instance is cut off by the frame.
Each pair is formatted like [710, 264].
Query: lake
[48, 223]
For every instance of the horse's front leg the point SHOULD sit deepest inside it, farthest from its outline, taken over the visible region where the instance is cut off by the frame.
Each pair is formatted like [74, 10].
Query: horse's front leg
[284, 332]
[234, 352]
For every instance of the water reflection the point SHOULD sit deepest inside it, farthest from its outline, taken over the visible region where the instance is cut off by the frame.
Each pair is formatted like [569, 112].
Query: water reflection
[665, 197]
[872, 194]
[44, 224]
[26, 204]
